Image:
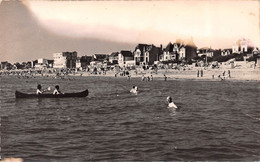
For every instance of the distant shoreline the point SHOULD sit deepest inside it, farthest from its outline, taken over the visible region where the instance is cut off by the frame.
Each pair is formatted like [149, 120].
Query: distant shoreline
[248, 74]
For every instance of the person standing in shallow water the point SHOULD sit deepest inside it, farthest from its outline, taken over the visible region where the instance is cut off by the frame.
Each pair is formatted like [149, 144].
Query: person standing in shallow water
[201, 73]
[134, 90]
[165, 77]
[170, 103]
[198, 73]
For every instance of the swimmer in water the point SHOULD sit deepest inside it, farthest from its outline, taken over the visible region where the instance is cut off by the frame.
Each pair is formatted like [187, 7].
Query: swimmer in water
[170, 103]
[134, 90]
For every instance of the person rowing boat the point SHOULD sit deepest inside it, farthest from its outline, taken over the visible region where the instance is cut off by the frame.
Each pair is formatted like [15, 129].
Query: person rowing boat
[40, 91]
[57, 90]
[170, 103]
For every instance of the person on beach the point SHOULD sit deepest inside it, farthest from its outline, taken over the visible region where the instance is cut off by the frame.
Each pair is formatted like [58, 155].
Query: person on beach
[128, 77]
[229, 75]
[143, 77]
[201, 73]
[56, 90]
[148, 78]
[198, 73]
[134, 90]
[220, 77]
[170, 103]
[151, 77]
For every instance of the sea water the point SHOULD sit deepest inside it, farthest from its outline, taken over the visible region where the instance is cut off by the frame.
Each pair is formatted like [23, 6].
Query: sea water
[217, 120]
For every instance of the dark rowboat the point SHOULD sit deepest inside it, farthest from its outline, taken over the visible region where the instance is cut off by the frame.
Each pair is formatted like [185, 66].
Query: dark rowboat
[24, 95]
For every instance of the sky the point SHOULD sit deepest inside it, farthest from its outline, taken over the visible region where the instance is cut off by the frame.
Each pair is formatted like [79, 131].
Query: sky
[152, 21]
[106, 26]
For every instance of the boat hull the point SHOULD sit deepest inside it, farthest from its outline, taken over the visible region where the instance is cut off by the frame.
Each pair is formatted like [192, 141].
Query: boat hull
[65, 95]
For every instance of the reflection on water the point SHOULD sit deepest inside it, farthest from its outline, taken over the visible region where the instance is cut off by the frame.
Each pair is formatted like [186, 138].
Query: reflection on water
[214, 122]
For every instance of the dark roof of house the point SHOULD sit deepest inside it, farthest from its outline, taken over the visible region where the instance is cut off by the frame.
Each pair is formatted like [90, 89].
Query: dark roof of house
[69, 53]
[206, 49]
[180, 43]
[113, 54]
[142, 47]
[169, 47]
[127, 53]
[85, 58]
[100, 56]
[229, 49]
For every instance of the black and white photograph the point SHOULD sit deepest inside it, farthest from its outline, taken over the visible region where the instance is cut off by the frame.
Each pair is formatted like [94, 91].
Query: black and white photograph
[129, 80]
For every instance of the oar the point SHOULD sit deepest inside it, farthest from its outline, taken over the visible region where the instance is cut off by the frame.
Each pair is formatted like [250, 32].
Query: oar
[47, 89]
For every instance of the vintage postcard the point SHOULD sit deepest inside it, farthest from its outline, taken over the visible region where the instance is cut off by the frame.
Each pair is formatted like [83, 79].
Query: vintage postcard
[129, 80]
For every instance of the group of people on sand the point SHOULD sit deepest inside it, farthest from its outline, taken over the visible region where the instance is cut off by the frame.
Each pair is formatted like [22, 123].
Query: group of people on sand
[223, 77]
[55, 92]
[134, 90]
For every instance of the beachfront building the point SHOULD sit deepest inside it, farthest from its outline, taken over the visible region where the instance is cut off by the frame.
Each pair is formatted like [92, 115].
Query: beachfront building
[95, 63]
[189, 49]
[50, 63]
[180, 50]
[145, 54]
[126, 59]
[65, 60]
[85, 61]
[256, 51]
[226, 52]
[78, 63]
[99, 57]
[42, 63]
[113, 57]
[258, 60]
[182, 53]
[243, 46]
[205, 51]
[6, 65]
[170, 52]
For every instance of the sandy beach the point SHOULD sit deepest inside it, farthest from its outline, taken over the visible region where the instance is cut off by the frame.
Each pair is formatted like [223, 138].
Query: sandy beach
[236, 74]
[208, 74]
